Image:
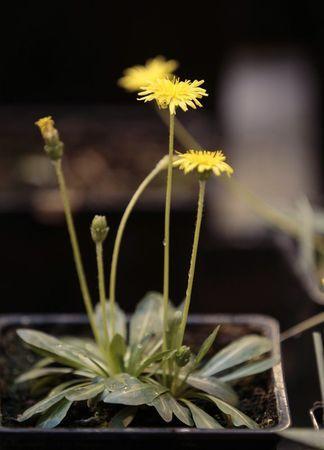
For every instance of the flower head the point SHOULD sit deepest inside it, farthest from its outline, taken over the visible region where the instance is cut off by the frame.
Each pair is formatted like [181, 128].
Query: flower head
[53, 145]
[203, 161]
[174, 93]
[136, 77]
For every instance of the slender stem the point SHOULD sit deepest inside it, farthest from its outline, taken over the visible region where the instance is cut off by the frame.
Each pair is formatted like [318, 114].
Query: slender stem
[200, 207]
[161, 165]
[102, 295]
[166, 242]
[305, 325]
[319, 353]
[75, 248]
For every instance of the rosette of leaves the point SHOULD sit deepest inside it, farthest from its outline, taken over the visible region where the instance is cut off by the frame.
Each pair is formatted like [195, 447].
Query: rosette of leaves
[137, 373]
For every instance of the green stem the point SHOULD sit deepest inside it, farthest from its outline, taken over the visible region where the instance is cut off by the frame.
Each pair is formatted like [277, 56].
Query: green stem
[161, 165]
[102, 295]
[200, 207]
[166, 242]
[75, 248]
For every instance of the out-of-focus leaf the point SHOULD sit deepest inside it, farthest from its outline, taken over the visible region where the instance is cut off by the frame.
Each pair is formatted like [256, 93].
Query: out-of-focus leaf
[200, 417]
[305, 436]
[238, 418]
[251, 369]
[60, 351]
[120, 320]
[38, 373]
[238, 352]
[215, 387]
[54, 416]
[123, 418]
[147, 319]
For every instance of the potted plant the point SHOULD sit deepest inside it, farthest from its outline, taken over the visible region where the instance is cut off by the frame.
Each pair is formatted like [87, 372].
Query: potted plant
[156, 373]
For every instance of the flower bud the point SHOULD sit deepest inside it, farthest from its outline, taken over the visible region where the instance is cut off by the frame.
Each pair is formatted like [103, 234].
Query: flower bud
[53, 146]
[182, 357]
[99, 229]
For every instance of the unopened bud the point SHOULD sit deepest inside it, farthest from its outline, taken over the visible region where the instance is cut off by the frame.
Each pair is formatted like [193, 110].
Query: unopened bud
[99, 229]
[53, 146]
[182, 357]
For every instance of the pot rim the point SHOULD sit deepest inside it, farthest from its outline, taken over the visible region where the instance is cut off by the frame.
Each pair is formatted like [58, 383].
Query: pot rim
[267, 324]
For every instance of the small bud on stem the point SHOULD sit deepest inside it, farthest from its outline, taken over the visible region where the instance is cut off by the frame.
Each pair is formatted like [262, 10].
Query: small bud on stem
[182, 357]
[99, 229]
[53, 145]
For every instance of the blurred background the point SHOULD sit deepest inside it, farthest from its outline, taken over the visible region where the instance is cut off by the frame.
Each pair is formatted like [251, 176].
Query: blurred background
[263, 65]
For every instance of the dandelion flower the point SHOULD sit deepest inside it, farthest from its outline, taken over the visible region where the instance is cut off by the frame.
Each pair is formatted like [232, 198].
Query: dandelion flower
[174, 93]
[45, 123]
[203, 161]
[136, 77]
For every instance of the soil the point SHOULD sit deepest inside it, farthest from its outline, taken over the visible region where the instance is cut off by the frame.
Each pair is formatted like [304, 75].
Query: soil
[256, 394]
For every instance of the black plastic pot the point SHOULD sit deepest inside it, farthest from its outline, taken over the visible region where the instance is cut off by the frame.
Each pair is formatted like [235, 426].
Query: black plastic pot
[141, 438]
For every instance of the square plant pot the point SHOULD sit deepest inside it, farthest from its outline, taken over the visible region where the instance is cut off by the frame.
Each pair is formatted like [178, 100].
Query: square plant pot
[274, 404]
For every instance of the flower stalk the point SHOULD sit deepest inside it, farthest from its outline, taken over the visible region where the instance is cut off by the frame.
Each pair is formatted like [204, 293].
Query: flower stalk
[75, 248]
[166, 242]
[99, 232]
[191, 274]
[161, 165]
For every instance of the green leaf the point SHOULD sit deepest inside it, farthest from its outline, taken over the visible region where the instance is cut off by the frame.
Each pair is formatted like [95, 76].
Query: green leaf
[147, 319]
[128, 390]
[117, 350]
[123, 418]
[305, 436]
[62, 386]
[180, 411]
[239, 351]
[238, 418]
[44, 404]
[86, 392]
[54, 416]
[120, 320]
[251, 369]
[201, 418]
[162, 405]
[62, 352]
[38, 373]
[167, 354]
[204, 349]
[214, 386]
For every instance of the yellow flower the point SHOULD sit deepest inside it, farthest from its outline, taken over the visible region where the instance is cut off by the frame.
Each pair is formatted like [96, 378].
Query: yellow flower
[173, 93]
[136, 77]
[53, 145]
[47, 129]
[45, 123]
[203, 161]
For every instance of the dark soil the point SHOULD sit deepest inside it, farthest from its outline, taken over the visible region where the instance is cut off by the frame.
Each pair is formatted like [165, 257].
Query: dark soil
[256, 393]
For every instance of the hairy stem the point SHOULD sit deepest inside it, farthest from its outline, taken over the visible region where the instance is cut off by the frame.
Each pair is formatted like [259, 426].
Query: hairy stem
[75, 248]
[191, 274]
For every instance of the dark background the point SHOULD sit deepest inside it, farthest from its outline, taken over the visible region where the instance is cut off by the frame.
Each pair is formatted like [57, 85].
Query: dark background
[72, 53]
